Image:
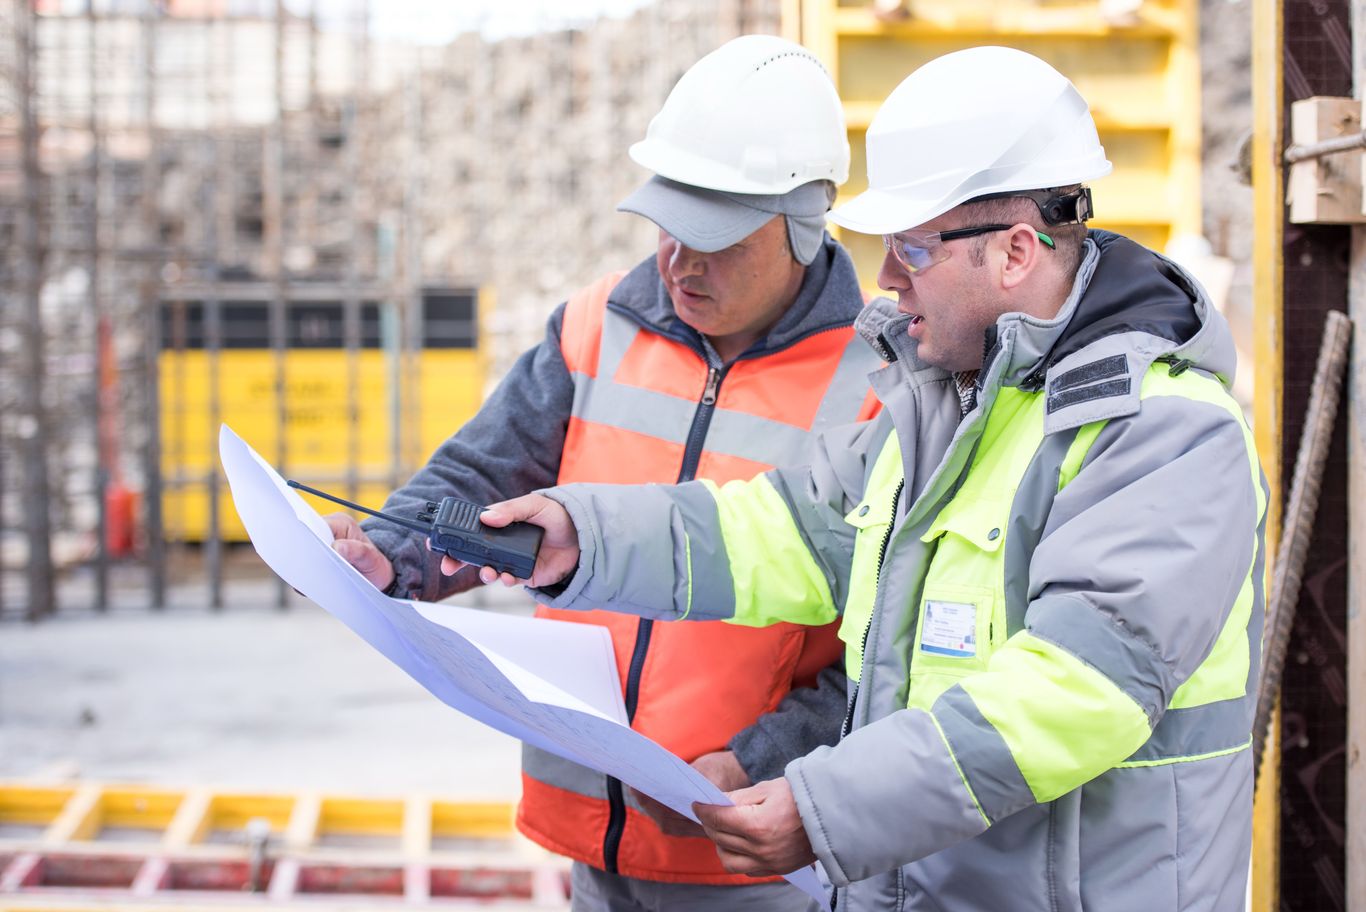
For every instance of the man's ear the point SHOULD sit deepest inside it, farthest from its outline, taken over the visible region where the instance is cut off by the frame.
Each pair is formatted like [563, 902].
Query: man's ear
[1022, 252]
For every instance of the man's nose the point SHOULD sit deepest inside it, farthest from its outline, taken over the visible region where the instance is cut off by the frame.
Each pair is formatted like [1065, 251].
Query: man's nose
[892, 276]
[684, 261]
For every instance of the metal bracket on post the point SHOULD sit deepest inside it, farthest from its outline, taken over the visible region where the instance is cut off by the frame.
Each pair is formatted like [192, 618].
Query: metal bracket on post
[1326, 160]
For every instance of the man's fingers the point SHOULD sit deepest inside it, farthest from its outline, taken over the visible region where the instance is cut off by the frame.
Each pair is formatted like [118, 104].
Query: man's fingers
[518, 509]
[737, 863]
[344, 526]
[669, 821]
[368, 560]
[723, 819]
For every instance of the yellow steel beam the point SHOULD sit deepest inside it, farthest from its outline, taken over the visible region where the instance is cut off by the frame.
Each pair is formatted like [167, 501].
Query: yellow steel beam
[472, 819]
[29, 806]
[361, 816]
[791, 20]
[859, 114]
[1269, 353]
[1183, 73]
[820, 34]
[142, 809]
[1004, 21]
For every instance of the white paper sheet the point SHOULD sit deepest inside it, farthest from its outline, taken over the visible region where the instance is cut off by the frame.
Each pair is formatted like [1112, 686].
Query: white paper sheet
[548, 683]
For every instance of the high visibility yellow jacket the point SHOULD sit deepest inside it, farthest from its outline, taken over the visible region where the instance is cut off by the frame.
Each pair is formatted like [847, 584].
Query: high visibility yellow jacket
[1051, 607]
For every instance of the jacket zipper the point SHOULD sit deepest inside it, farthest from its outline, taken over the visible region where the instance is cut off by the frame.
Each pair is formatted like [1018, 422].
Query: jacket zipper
[877, 581]
[692, 453]
[853, 699]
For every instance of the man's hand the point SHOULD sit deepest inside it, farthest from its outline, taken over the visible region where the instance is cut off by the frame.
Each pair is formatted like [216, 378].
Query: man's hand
[559, 554]
[762, 835]
[721, 769]
[355, 546]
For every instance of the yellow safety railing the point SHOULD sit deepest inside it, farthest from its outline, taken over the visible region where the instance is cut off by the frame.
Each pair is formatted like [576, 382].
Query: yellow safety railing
[85, 845]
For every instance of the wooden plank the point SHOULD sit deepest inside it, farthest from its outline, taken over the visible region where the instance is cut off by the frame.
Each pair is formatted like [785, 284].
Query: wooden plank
[151, 877]
[417, 883]
[19, 872]
[302, 830]
[80, 819]
[1326, 190]
[191, 821]
[284, 881]
[417, 826]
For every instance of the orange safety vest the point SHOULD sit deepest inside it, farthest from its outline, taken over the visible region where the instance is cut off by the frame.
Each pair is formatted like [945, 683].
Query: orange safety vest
[692, 684]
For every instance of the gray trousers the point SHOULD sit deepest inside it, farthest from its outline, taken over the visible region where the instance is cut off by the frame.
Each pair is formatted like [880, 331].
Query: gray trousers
[598, 891]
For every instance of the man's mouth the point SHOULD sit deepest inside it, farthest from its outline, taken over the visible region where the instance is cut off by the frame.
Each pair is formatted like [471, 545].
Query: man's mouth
[916, 319]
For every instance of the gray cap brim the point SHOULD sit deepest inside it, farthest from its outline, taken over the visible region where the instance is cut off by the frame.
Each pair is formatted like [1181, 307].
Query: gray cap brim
[704, 220]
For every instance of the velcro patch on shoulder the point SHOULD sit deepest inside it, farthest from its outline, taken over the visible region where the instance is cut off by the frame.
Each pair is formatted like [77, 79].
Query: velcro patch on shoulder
[1104, 369]
[1078, 394]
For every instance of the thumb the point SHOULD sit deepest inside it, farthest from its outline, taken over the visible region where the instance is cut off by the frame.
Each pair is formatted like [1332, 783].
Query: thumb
[367, 559]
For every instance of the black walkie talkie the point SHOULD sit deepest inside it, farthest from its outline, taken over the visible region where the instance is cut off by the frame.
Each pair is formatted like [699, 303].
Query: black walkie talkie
[453, 527]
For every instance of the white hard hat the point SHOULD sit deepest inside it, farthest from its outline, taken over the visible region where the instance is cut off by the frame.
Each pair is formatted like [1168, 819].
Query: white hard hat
[979, 121]
[757, 115]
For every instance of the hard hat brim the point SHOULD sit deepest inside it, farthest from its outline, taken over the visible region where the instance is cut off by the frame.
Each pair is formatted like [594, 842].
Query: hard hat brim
[880, 212]
[703, 220]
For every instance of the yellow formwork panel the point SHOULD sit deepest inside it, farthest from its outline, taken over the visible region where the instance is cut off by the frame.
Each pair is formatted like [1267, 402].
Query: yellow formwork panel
[323, 428]
[480, 820]
[181, 818]
[190, 849]
[361, 816]
[1140, 75]
[32, 806]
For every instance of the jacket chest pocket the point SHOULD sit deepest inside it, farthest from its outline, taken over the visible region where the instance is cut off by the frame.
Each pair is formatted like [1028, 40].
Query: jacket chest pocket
[961, 620]
[872, 521]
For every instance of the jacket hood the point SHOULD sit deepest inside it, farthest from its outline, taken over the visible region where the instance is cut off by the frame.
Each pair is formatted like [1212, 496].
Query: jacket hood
[829, 298]
[1128, 307]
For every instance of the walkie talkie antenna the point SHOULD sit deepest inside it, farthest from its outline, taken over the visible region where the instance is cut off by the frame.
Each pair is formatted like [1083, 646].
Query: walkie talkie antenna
[413, 524]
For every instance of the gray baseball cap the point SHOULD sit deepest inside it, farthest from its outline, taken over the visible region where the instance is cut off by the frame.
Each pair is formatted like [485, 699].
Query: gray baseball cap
[712, 220]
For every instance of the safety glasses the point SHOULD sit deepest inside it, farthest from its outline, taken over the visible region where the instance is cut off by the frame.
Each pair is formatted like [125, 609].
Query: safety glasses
[918, 250]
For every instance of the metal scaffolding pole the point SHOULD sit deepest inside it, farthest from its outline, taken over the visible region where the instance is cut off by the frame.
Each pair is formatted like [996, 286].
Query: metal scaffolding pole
[151, 232]
[351, 304]
[412, 454]
[33, 431]
[213, 311]
[102, 371]
[274, 235]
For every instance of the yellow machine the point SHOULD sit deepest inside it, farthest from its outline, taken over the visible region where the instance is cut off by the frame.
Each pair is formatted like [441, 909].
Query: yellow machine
[355, 420]
[1136, 62]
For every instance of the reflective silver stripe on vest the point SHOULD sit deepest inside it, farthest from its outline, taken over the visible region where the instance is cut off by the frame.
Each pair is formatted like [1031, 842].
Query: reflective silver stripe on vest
[602, 400]
[668, 418]
[563, 774]
[851, 377]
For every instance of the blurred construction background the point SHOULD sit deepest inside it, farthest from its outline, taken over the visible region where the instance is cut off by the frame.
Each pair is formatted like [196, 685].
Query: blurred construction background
[334, 224]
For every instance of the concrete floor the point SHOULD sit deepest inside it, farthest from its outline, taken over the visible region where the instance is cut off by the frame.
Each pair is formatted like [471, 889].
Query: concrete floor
[251, 697]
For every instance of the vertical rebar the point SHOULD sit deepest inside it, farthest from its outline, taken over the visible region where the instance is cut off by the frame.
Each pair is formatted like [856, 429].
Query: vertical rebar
[151, 229]
[102, 370]
[351, 304]
[33, 417]
[273, 187]
[213, 314]
[411, 351]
